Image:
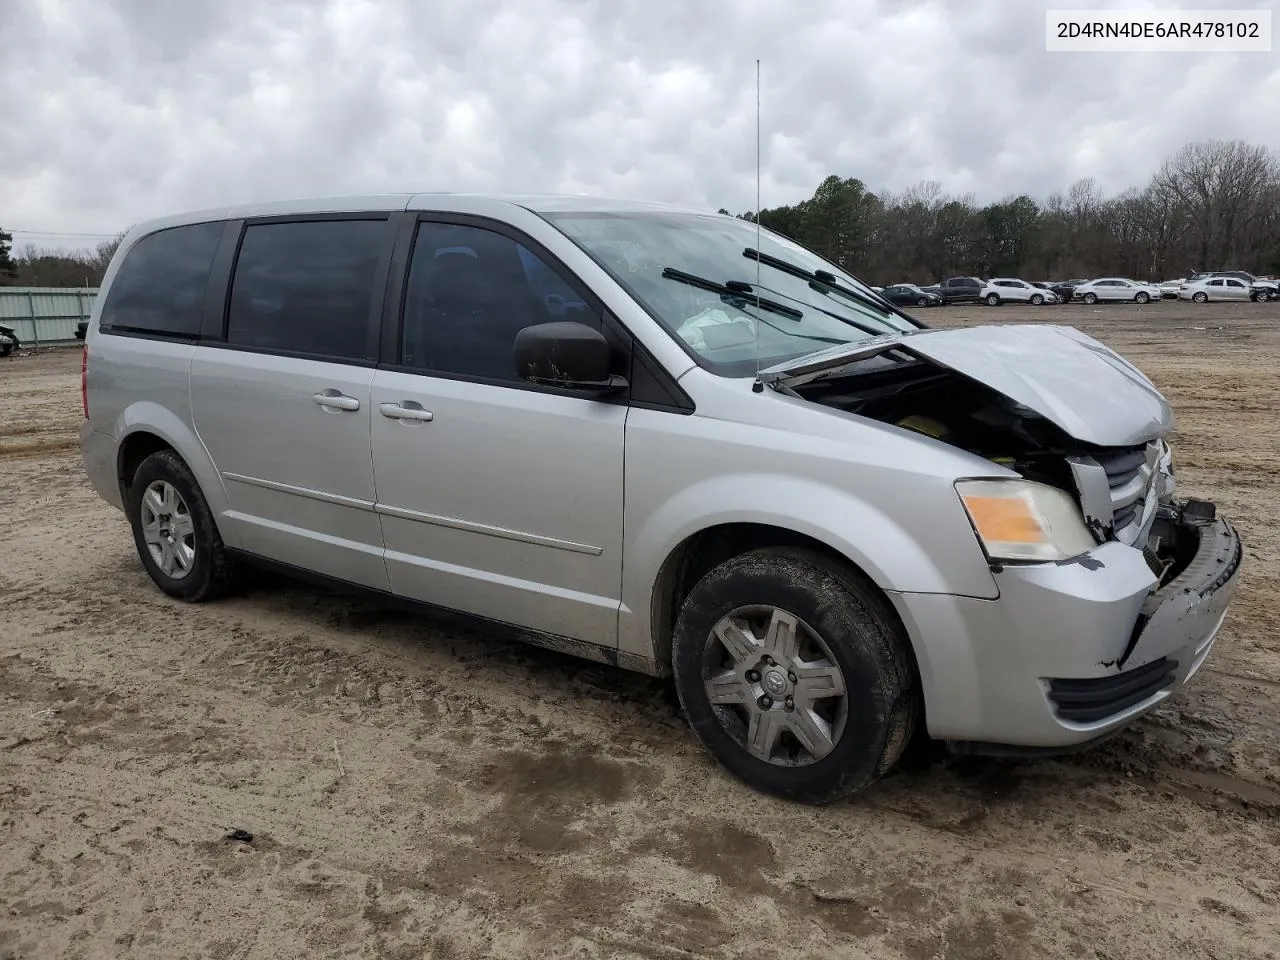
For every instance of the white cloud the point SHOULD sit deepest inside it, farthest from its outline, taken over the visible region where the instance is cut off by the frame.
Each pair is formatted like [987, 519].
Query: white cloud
[118, 110]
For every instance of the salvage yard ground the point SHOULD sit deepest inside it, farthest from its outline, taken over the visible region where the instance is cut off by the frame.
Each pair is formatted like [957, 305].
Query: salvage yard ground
[416, 791]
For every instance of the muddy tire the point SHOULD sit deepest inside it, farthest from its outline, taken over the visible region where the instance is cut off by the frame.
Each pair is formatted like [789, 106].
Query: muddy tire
[795, 674]
[174, 531]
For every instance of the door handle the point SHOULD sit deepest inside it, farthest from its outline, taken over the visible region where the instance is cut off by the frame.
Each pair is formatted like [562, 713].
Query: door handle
[335, 400]
[396, 411]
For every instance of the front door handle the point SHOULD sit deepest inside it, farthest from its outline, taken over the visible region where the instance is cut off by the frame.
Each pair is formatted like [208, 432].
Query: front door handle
[334, 400]
[398, 411]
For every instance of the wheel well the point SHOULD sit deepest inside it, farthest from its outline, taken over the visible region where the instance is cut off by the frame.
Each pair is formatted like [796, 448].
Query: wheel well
[136, 448]
[704, 551]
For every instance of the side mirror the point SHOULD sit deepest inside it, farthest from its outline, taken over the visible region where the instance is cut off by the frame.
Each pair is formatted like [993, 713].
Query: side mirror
[566, 354]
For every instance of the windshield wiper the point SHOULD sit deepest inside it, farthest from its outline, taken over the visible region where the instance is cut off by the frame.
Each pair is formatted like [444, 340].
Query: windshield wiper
[735, 289]
[826, 282]
[864, 327]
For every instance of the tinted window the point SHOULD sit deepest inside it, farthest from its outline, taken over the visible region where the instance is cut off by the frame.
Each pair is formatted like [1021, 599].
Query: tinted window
[306, 287]
[470, 291]
[160, 287]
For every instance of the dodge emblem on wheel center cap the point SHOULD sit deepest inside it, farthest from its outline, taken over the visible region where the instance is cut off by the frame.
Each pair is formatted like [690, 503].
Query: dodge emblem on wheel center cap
[775, 681]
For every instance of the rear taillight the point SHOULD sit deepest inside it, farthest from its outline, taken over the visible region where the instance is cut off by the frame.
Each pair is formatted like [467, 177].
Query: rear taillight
[84, 380]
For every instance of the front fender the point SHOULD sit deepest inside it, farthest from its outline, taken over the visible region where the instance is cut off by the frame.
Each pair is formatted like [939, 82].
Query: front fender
[147, 417]
[948, 561]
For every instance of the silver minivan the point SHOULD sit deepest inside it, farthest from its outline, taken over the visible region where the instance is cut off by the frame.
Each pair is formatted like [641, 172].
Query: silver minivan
[667, 440]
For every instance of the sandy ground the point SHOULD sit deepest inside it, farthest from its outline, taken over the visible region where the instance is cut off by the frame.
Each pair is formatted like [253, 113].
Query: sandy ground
[414, 791]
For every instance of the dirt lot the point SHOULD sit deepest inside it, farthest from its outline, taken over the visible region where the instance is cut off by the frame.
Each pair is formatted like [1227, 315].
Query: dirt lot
[414, 791]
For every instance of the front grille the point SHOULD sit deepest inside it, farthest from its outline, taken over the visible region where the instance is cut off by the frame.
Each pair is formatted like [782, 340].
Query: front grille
[1088, 701]
[1130, 473]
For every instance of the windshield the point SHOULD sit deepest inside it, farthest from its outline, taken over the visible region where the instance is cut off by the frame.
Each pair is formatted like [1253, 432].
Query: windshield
[648, 252]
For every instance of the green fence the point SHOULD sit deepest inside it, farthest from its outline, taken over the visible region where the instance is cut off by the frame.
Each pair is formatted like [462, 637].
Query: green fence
[45, 315]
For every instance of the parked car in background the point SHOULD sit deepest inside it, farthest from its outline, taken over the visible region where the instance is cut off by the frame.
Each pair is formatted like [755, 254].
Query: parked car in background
[908, 294]
[830, 524]
[8, 341]
[960, 290]
[1000, 290]
[1270, 289]
[1221, 288]
[1170, 288]
[1062, 289]
[1117, 289]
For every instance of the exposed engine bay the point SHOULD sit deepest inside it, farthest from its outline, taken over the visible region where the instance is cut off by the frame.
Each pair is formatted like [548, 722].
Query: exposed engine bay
[912, 393]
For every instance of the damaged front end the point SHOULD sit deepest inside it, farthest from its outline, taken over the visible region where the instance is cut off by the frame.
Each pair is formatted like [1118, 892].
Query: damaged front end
[1058, 408]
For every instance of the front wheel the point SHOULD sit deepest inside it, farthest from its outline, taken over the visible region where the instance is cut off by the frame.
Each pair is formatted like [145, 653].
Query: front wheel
[993, 300]
[1037, 299]
[1142, 297]
[1091, 298]
[7, 346]
[922, 302]
[174, 532]
[795, 674]
[1200, 296]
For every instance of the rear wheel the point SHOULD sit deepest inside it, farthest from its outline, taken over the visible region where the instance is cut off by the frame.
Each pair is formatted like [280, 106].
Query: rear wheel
[993, 300]
[795, 675]
[174, 532]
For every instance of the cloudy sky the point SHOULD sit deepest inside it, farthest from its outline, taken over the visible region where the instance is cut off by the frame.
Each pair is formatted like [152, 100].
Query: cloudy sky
[118, 110]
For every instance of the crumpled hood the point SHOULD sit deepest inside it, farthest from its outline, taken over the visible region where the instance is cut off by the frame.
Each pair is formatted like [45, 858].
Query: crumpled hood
[1069, 378]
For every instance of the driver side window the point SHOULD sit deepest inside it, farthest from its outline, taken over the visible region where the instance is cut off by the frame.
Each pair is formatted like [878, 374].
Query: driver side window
[470, 291]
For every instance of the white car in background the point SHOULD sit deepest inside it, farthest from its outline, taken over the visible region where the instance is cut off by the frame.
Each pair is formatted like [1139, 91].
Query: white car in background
[1000, 290]
[1220, 288]
[1117, 289]
[1170, 288]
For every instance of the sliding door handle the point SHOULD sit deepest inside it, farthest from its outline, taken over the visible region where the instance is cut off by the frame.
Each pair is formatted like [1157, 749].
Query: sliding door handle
[334, 400]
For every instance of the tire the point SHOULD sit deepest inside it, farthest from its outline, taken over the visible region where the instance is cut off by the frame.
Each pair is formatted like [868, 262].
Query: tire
[1091, 298]
[1037, 299]
[993, 300]
[208, 571]
[1200, 297]
[922, 302]
[6, 349]
[858, 639]
[1142, 297]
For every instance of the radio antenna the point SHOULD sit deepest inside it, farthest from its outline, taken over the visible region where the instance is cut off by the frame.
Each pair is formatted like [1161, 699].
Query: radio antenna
[758, 213]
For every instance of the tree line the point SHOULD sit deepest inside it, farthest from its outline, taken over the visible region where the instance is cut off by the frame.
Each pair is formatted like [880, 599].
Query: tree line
[53, 267]
[1213, 205]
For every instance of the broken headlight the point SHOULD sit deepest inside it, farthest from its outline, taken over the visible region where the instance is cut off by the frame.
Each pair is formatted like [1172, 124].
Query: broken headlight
[1020, 520]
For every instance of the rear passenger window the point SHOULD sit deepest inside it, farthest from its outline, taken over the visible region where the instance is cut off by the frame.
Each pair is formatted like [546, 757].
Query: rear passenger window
[160, 287]
[307, 287]
[470, 291]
